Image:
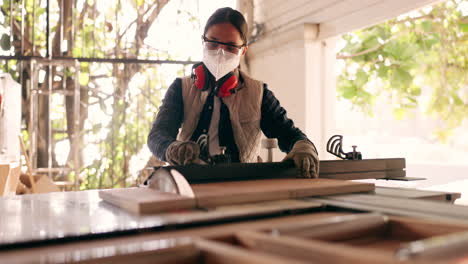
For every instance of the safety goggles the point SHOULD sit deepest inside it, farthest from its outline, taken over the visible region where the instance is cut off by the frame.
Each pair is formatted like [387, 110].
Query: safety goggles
[214, 45]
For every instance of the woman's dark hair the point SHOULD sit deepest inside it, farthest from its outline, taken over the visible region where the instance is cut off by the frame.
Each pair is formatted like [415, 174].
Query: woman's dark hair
[231, 16]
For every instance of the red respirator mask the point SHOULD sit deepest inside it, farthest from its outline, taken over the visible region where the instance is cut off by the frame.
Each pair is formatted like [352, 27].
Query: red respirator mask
[203, 80]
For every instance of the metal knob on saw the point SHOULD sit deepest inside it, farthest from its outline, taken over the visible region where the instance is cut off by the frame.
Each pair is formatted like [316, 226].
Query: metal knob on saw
[335, 147]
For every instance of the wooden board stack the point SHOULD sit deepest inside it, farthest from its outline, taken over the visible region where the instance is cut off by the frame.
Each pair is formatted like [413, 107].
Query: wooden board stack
[145, 200]
[332, 169]
[229, 184]
[363, 169]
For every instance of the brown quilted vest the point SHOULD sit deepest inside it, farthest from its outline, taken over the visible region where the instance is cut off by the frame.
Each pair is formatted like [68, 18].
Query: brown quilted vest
[244, 111]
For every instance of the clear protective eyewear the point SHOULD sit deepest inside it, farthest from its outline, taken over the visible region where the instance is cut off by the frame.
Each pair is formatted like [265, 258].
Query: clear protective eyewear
[214, 45]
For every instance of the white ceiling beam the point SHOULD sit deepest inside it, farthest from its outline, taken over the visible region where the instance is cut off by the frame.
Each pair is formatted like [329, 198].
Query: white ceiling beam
[368, 16]
[334, 17]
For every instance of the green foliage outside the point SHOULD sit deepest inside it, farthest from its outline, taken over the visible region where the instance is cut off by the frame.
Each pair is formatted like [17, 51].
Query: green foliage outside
[118, 101]
[399, 57]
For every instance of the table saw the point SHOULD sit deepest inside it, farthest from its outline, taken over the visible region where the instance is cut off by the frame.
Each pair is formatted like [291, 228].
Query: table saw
[226, 222]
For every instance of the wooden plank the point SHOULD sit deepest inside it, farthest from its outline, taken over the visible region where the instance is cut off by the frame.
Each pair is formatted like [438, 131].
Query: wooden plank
[395, 163]
[225, 231]
[365, 175]
[310, 250]
[424, 227]
[9, 178]
[395, 173]
[241, 211]
[215, 194]
[445, 249]
[259, 208]
[355, 176]
[218, 253]
[4, 172]
[357, 169]
[404, 178]
[367, 165]
[337, 228]
[13, 180]
[28, 163]
[145, 200]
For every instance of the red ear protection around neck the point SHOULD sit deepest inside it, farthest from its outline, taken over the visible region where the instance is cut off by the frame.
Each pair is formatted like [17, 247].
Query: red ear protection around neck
[203, 80]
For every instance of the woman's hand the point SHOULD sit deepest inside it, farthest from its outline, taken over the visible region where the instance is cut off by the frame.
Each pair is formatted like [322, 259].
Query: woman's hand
[305, 158]
[182, 152]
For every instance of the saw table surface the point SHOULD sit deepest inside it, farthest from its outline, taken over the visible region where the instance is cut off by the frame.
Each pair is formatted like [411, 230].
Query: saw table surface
[67, 215]
[70, 215]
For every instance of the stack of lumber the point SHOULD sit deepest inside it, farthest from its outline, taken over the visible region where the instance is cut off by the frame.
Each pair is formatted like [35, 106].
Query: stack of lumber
[146, 200]
[227, 184]
[363, 169]
[332, 169]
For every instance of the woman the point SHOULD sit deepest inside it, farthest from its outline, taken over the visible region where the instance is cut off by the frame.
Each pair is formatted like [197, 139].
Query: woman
[224, 106]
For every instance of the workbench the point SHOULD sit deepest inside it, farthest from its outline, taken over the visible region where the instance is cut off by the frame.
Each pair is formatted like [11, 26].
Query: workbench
[73, 224]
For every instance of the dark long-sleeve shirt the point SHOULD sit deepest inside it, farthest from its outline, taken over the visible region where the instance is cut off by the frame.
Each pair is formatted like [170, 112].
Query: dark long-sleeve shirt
[274, 123]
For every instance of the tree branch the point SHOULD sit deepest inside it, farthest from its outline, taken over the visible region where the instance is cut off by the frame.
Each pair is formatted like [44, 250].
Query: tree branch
[411, 19]
[135, 21]
[343, 57]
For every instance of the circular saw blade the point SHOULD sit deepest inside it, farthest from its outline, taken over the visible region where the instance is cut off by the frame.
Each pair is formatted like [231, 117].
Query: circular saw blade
[171, 181]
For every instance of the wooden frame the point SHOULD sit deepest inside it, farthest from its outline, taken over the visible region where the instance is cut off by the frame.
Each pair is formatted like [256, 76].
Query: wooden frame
[319, 238]
[364, 238]
[312, 251]
[219, 232]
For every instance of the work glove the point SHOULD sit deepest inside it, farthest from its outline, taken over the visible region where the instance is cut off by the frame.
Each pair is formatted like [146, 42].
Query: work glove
[182, 152]
[305, 158]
